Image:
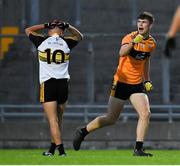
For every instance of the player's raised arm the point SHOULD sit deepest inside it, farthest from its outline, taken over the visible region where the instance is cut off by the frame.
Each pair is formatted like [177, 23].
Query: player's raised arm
[126, 48]
[34, 28]
[76, 35]
[170, 37]
[175, 25]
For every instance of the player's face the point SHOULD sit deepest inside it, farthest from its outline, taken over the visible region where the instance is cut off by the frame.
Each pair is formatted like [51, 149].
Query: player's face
[143, 26]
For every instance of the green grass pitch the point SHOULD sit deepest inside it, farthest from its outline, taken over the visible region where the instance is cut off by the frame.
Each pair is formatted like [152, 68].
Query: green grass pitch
[89, 157]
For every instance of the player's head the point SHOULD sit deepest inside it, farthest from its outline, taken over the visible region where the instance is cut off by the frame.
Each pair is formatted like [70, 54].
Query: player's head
[56, 27]
[144, 23]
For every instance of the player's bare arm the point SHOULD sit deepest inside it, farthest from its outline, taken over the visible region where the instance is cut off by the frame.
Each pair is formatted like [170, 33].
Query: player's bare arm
[146, 69]
[175, 24]
[34, 28]
[170, 42]
[76, 35]
[146, 76]
[125, 49]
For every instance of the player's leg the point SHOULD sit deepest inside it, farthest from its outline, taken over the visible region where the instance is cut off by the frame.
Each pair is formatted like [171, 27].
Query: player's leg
[62, 96]
[52, 148]
[50, 109]
[141, 104]
[60, 147]
[115, 107]
[47, 95]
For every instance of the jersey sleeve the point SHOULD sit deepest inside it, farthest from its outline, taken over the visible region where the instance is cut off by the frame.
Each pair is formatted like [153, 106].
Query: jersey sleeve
[153, 48]
[36, 39]
[153, 45]
[126, 40]
[71, 42]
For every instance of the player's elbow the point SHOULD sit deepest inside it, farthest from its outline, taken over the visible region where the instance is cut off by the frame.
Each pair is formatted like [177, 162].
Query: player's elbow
[111, 120]
[27, 31]
[122, 52]
[80, 36]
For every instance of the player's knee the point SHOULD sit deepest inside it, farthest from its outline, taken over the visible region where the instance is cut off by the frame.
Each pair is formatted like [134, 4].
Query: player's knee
[111, 120]
[145, 115]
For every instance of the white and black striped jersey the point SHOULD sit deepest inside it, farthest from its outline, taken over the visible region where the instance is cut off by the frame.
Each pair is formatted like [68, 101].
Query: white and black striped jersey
[53, 55]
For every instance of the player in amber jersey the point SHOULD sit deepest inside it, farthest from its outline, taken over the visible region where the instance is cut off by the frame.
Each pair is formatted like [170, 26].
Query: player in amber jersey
[131, 81]
[53, 54]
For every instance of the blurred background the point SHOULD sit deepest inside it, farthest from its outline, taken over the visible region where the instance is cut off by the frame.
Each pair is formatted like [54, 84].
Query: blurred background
[92, 66]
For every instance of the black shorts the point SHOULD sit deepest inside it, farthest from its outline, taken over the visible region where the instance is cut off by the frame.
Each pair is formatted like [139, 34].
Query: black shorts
[123, 91]
[54, 90]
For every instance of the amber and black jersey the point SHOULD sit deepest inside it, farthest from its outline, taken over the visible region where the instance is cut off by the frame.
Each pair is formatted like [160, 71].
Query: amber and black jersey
[131, 67]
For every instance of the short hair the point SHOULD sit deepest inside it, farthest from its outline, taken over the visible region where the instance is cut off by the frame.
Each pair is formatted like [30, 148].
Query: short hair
[148, 16]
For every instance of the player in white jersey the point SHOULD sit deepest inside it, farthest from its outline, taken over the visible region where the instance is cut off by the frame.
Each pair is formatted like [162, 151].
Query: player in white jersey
[53, 54]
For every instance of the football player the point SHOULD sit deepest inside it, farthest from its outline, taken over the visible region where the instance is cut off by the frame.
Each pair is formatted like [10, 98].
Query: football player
[131, 81]
[53, 54]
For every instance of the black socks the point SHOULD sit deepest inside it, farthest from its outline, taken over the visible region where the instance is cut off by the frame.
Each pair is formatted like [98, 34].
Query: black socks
[60, 148]
[52, 148]
[84, 131]
[139, 145]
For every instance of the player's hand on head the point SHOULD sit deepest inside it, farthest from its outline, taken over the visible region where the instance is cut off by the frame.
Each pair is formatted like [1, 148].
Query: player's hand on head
[63, 25]
[47, 25]
[66, 25]
[58, 23]
[51, 25]
[148, 86]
